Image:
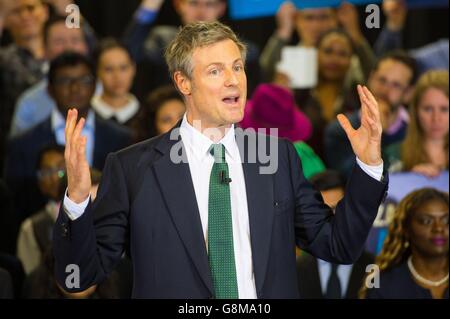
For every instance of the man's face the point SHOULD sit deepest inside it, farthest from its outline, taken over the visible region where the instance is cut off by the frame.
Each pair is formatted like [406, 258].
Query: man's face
[73, 87]
[26, 19]
[217, 92]
[332, 196]
[60, 39]
[192, 11]
[391, 82]
[312, 23]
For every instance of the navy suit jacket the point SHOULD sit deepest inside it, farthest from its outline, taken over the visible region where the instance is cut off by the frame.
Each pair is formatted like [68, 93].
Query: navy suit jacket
[148, 201]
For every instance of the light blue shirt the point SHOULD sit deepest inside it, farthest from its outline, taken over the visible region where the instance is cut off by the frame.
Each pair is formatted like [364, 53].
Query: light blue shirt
[33, 107]
[343, 271]
[58, 126]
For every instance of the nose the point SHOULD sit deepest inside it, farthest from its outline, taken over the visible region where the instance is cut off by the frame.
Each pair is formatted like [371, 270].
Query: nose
[438, 226]
[231, 78]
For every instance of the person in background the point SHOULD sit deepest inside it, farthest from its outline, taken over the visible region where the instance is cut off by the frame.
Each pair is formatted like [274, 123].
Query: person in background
[330, 96]
[71, 83]
[414, 258]
[433, 56]
[34, 235]
[116, 71]
[425, 149]
[273, 106]
[35, 104]
[318, 279]
[22, 62]
[392, 83]
[163, 108]
[309, 25]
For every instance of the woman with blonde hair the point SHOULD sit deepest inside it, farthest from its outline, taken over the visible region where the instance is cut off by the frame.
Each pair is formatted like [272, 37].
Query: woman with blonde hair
[425, 148]
[414, 260]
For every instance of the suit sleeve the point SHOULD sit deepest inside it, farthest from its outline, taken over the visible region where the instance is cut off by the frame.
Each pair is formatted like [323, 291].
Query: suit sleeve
[338, 237]
[94, 242]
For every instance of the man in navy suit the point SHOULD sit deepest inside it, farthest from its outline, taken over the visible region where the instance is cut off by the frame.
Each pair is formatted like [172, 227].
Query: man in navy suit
[201, 216]
[71, 83]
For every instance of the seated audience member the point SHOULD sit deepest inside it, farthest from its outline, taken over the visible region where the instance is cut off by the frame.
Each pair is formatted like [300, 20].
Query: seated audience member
[309, 25]
[35, 104]
[391, 83]
[432, 56]
[330, 97]
[318, 279]
[22, 62]
[163, 108]
[115, 70]
[71, 85]
[425, 149]
[414, 258]
[273, 107]
[35, 231]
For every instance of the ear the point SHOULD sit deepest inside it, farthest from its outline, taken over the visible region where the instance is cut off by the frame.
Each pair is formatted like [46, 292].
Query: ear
[183, 83]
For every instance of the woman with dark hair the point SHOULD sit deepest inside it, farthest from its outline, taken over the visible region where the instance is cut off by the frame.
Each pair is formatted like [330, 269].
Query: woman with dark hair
[414, 260]
[163, 108]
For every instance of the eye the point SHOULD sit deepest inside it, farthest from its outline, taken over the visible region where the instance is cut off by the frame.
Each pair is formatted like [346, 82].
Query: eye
[238, 68]
[214, 72]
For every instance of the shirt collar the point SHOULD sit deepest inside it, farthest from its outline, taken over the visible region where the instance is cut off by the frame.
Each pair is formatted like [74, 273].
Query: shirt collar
[123, 114]
[58, 121]
[201, 144]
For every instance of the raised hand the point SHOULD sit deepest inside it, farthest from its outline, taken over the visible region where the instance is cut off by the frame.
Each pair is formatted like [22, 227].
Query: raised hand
[395, 12]
[286, 20]
[366, 140]
[78, 173]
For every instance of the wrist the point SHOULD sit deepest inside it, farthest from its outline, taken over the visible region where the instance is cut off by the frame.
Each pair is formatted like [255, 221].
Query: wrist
[76, 197]
[284, 34]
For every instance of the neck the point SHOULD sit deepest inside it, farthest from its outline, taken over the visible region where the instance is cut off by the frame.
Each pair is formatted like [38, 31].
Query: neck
[435, 143]
[115, 102]
[213, 132]
[431, 268]
[335, 85]
[33, 44]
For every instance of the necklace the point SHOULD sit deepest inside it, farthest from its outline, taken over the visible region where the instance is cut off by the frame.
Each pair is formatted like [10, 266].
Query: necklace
[423, 280]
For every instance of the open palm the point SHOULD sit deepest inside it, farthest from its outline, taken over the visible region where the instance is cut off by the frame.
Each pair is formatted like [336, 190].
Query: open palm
[366, 140]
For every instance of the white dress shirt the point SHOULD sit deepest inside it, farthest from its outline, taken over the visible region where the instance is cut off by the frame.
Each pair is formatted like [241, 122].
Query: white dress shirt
[343, 271]
[201, 161]
[122, 115]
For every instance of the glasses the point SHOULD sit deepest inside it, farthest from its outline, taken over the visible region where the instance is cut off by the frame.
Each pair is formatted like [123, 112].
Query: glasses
[49, 172]
[84, 81]
[381, 80]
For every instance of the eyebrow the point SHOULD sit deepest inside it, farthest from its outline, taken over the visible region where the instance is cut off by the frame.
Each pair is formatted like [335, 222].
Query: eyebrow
[220, 63]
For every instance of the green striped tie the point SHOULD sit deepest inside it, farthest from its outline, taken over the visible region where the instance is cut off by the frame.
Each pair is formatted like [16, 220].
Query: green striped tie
[220, 228]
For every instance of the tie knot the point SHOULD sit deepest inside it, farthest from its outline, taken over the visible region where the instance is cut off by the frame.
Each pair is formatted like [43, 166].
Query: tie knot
[218, 152]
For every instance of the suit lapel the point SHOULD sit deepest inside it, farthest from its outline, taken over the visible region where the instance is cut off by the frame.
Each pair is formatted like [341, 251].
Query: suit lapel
[178, 191]
[260, 202]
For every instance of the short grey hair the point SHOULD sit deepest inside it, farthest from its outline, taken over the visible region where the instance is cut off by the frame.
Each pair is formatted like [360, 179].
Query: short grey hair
[178, 54]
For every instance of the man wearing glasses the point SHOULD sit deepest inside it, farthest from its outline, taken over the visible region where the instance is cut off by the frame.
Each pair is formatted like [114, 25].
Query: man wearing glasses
[71, 84]
[391, 81]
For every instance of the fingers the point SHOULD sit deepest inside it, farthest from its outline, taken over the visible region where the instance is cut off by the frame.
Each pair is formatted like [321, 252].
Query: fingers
[346, 125]
[369, 105]
[71, 120]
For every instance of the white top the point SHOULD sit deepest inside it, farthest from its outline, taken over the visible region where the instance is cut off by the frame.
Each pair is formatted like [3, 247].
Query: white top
[123, 114]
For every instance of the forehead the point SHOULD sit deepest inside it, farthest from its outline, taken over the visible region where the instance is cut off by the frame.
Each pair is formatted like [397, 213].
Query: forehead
[433, 94]
[71, 70]
[224, 52]
[20, 3]
[434, 207]
[59, 29]
[52, 157]
[335, 38]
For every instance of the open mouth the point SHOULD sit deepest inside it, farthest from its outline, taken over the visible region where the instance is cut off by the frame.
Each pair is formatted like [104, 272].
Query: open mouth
[231, 100]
